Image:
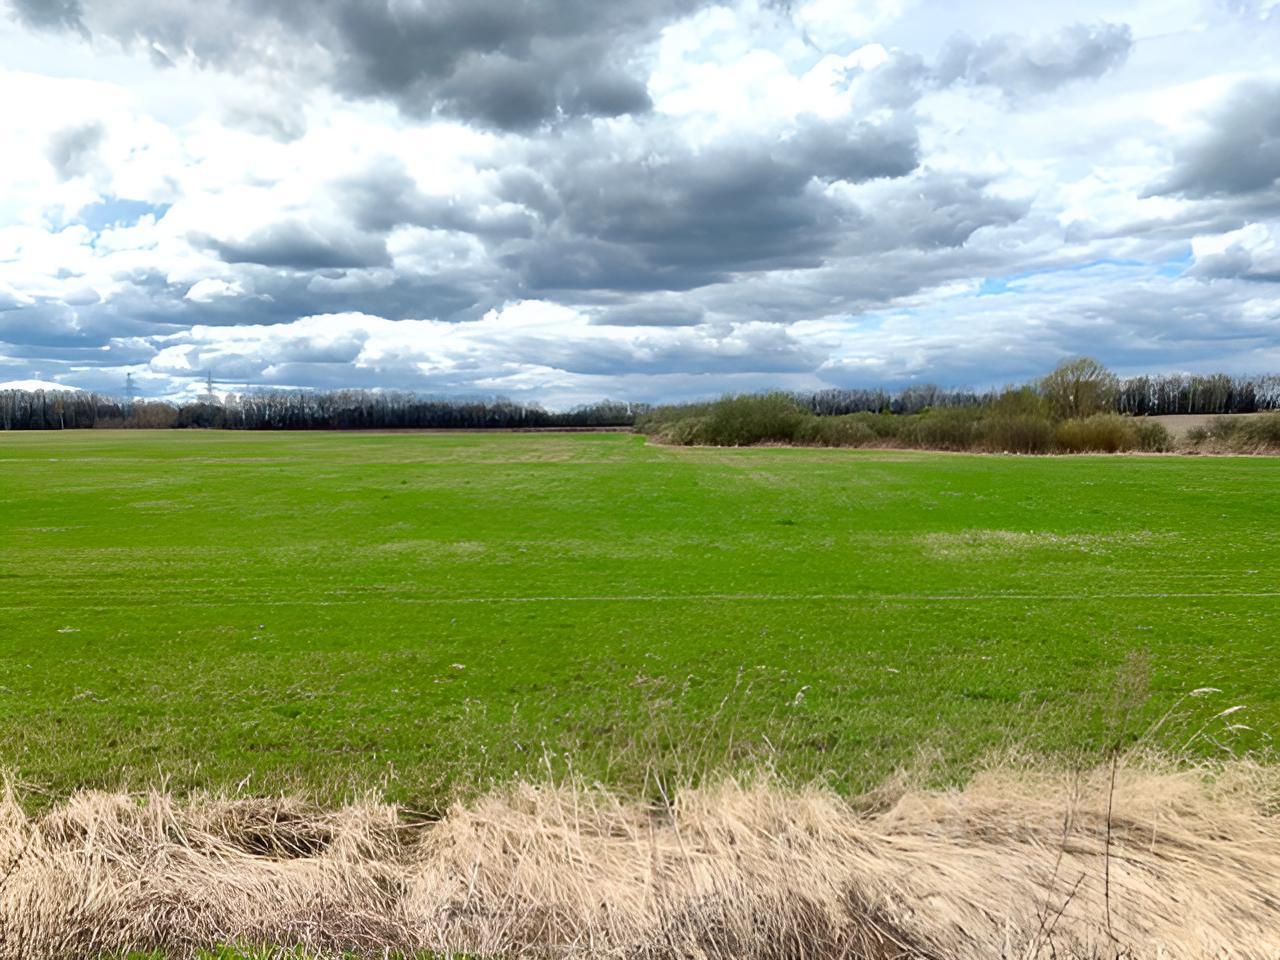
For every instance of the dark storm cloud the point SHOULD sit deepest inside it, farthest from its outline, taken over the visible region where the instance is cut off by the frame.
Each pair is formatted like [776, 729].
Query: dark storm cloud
[509, 65]
[1020, 65]
[72, 152]
[298, 246]
[1239, 156]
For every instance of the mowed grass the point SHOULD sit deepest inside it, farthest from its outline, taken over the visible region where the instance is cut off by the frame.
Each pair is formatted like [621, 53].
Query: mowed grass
[426, 614]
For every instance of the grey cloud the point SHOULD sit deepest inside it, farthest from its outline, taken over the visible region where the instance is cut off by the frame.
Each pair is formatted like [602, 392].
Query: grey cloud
[513, 66]
[72, 152]
[644, 211]
[606, 93]
[386, 197]
[1239, 156]
[1020, 65]
[930, 212]
[668, 218]
[651, 315]
[94, 356]
[297, 246]
[50, 14]
[755, 349]
[513, 94]
[281, 123]
[509, 65]
[42, 324]
[1239, 261]
[900, 81]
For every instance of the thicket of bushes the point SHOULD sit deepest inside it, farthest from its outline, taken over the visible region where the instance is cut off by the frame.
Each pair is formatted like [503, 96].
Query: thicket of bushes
[1071, 410]
[777, 418]
[1260, 434]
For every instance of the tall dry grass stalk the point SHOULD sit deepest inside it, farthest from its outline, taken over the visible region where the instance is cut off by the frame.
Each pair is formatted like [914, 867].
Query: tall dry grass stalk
[1015, 865]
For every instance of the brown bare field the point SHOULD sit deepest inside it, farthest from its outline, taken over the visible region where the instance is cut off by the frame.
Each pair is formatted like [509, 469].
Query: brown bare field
[1132, 862]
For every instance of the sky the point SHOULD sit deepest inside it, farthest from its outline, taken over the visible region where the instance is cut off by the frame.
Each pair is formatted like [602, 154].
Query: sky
[559, 201]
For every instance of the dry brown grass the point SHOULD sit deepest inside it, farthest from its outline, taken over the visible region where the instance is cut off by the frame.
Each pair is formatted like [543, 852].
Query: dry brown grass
[1015, 865]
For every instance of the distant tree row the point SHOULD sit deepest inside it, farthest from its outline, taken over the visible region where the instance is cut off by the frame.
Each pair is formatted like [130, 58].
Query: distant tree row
[1139, 396]
[1077, 388]
[298, 410]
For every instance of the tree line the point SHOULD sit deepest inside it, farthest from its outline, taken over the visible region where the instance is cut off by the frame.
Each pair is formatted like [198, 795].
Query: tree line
[299, 410]
[1144, 396]
[1064, 390]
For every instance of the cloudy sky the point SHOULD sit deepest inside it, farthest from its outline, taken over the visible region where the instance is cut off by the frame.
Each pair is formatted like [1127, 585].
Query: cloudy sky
[563, 200]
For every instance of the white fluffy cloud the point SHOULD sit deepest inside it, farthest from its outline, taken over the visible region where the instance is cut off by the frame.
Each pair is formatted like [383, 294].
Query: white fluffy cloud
[667, 198]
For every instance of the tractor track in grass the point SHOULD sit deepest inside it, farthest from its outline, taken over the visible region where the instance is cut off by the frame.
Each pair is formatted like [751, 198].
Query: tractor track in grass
[709, 598]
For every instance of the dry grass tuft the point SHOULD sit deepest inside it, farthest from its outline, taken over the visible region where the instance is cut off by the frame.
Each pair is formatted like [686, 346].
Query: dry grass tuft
[1015, 865]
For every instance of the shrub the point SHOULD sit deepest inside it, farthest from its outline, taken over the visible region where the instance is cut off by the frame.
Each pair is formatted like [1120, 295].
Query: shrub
[885, 426]
[1101, 433]
[1017, 433]
[685, 432]
[1019, 401]
[745, 419]
[1152, 437]
[1225, 428]
[1258, 433]
[848, 431]
[946, 429]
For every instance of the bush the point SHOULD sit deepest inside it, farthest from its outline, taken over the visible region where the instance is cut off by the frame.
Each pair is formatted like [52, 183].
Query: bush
[1017, 433]
[1019, 402]
[1018, 421]
[847, 431]
[1224, 428]
[1251, 434]
[1258, 433]
[1101, 433]
[1152, 436]
[947, 429]
[742, 420]
[685, 432]
[885, 426]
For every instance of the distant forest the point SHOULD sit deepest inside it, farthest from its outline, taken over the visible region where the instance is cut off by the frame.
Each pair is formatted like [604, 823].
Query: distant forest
[384, 410]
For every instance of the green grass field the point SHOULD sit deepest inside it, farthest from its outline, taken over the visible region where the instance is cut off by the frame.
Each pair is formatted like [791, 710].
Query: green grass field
[423, 613]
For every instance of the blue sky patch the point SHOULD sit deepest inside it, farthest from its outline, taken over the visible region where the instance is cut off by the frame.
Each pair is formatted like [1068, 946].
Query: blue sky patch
[118, 212]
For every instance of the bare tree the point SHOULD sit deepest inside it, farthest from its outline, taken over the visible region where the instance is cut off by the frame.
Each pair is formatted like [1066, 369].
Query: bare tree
[1080, 388]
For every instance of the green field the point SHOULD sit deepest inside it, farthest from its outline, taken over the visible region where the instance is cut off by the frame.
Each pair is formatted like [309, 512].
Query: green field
[422, 613]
